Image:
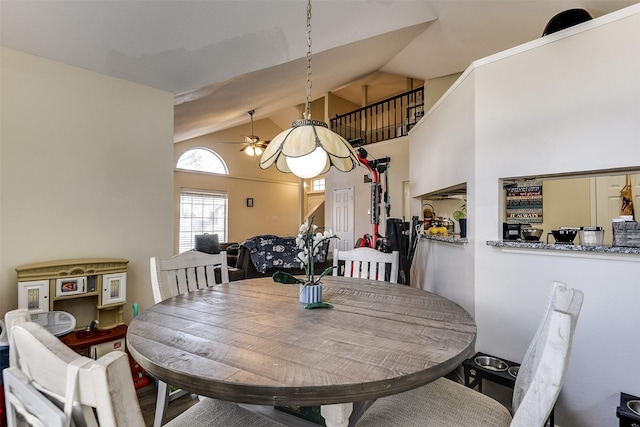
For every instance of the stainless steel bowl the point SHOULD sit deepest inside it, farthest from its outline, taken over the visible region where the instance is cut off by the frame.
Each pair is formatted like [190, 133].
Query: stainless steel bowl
[634, 406]
[532, 234]
[491, 363]
[513, 371]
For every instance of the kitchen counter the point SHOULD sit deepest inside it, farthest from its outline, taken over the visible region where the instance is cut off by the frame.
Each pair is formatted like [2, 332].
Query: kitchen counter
[518, 244]
[446, 239]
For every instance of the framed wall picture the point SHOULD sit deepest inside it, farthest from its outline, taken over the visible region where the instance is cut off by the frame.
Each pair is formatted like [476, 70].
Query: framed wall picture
[524, 202]
[250, 202]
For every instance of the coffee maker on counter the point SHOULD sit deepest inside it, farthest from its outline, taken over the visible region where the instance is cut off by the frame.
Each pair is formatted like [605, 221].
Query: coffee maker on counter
[512, 231]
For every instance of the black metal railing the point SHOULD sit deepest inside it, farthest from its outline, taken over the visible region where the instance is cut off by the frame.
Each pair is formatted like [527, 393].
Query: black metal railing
[387, 119]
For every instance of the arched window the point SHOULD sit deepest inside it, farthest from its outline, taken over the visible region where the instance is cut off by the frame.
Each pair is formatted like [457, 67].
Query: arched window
[202, 160]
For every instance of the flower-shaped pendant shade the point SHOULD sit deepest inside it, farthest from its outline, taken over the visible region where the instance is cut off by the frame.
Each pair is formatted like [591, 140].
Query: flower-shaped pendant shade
[301, 141]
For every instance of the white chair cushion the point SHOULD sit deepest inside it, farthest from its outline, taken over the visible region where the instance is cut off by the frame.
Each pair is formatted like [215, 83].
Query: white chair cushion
[442, 403]
[218, 413]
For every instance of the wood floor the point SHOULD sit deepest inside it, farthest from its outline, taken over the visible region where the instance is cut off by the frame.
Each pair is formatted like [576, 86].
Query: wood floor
[147, 399]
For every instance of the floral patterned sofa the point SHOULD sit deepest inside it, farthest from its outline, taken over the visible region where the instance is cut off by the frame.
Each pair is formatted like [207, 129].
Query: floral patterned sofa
[265, 254]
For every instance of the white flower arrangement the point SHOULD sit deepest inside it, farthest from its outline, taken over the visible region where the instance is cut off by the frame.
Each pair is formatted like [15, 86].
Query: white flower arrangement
[309, 240]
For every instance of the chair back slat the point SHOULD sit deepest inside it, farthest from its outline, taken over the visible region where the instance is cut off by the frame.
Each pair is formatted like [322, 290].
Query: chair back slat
[186, 272]
[366, 263]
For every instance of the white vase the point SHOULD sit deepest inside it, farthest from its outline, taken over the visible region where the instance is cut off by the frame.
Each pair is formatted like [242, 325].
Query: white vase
[310, 293]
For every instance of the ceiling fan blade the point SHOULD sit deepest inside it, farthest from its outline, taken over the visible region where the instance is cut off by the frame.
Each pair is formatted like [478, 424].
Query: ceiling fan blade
[251, 139]
[232, 142]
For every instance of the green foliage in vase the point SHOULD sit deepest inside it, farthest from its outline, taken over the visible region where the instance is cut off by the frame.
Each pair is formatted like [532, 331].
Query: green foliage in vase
[461, 214]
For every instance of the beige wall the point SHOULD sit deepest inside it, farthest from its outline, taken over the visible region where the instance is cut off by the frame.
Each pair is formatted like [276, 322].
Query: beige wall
[274, 211]
[276, 208]
[85, 171]
[435, 88]
[340, 106]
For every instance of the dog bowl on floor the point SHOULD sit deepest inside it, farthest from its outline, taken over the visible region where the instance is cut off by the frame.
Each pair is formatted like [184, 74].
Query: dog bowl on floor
[513, 371]
[491, 363]
[634, 406]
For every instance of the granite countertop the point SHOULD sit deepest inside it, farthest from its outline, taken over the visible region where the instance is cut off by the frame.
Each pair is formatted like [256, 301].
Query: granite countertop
[518, 244]
[446, 239]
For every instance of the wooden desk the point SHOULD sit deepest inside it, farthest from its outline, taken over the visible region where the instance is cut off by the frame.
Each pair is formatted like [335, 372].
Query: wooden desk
[251, 341]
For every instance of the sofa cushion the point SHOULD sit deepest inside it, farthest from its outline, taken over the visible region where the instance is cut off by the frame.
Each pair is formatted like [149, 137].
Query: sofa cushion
[269, 251]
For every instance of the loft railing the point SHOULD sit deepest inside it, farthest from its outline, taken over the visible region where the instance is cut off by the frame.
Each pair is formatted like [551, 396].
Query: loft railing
[387, 119]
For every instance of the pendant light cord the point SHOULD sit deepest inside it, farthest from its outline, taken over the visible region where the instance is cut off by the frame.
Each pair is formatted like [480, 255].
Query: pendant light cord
[307, 110]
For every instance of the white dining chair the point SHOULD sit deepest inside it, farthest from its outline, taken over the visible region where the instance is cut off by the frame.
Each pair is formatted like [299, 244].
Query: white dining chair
[445, 403]
[25, 404]
[105, 386]
[188, 271]
[366, 263]
[12, 318]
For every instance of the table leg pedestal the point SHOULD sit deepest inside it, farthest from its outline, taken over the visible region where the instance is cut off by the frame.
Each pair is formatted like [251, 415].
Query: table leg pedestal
[336, 415]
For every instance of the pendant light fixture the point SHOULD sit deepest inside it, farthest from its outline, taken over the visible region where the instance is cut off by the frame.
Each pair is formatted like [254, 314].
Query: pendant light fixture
[309, 148]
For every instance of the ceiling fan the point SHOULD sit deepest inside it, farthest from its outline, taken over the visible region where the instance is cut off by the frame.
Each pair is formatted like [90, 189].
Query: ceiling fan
[252, 145]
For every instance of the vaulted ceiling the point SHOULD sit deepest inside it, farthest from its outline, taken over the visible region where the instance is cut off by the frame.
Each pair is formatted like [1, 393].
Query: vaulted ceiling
[221, 59]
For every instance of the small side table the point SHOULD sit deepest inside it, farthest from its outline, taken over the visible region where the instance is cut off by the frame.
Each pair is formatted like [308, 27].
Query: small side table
[474, 374]
[59, 323]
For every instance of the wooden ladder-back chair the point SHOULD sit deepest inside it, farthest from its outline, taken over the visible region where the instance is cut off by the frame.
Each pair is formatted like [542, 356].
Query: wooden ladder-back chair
[103, 387]
[445, 403]
[366, 263]
[68, 378]
[186, 272]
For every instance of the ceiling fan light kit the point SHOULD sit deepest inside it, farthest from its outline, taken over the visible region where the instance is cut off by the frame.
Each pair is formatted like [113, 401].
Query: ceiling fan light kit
[309, 148]
[251, 150]
[252, 145]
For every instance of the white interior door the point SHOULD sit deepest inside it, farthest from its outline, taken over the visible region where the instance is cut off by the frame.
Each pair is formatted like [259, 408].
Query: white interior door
[343, 217]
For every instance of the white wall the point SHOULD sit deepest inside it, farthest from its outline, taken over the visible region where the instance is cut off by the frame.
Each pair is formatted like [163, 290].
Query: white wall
[442, 156]
[85, 171]
[570, 103]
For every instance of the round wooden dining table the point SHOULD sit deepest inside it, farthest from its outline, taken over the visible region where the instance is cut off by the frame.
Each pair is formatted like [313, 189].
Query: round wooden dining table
[252, 341]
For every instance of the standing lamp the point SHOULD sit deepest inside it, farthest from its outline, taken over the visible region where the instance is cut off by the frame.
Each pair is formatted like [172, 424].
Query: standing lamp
[309, 148]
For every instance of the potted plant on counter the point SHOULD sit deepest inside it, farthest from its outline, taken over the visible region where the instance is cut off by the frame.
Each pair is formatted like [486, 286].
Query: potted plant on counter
[461, 217]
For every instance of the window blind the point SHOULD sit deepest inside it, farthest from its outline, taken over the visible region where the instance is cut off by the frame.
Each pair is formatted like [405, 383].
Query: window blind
[201, 212]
